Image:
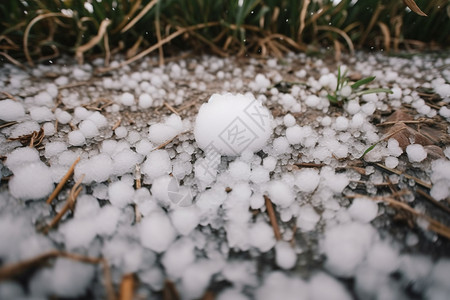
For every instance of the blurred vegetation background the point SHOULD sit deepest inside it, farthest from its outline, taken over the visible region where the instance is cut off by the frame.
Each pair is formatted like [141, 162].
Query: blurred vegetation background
[42, 30]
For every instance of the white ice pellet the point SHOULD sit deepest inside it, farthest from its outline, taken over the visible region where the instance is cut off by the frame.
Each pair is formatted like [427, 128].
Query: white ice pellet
[279, 285]
[220, 122]
[157, 232]
[145, 101]
[307, 218]
[76, 138]
[157, 164]
[178, 257]
[54, 148]
[43, 99]
[280, 193]
[281, 145]
[99, 119]
[97, 168]
[346, 91]
[49, 128]
[161, 132]
[370, 97]
[341, 123]
[416, 153]
[391, 162]
[443, 111]
[120, 193]
[127, 99]
[63, 116]
[31, 181]
[289, 120]
[239, 170]
[307, 180]
[121, 132]
[334, 290]
[88, 129]
[261, 236]
[368, 108]
[353, 107]
[383, 258]
[185, 219]
[394, 148]
[21, 156]
[346, 246]
[81, 113]
[312, 101]
[295, 134]
[11, 110]
[363, 210]
[285, 256]
[443, 90]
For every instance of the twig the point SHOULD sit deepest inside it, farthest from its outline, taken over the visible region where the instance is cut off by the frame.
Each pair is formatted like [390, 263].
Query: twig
[74, 192]
[417, 180]
[11, 270]
[170, 107]
[168, 141]
[9, 96]
[273, 218]
[170, 292]
[309, 165]
[94, 41]
[117, 124]
[127, 287]
[434, 201]
[71, 85]
[139, 16]
[137, 176]
[62, 182]
[8, 124]
[433, 225]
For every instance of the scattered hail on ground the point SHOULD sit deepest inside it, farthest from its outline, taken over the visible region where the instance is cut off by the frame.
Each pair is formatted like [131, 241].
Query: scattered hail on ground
[259, 193]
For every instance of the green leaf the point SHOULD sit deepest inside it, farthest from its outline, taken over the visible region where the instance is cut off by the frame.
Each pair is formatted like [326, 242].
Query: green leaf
[368, 150]
[332, 99]
[374, 91]
[362, 82]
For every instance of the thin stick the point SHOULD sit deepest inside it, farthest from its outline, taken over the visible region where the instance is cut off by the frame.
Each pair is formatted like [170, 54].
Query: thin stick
[158, 37]
[170, 292]
[434, 201]
[417, 180]
[170, 107]
[137, 176]
[168, 141]
[74, 192]
[117, 124]
[139, 16]
[433, 225]
[9, 96]
[12, 60]
[127, 287]
[273, 218]
[62, 182]
[309, 165]
[8, 124]
[11, 270]
[94, 41]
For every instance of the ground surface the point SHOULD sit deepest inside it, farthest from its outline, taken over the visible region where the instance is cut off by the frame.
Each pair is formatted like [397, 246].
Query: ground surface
[359, 226]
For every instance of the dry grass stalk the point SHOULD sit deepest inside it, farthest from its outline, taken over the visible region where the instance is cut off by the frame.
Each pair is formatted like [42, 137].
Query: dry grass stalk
[70, 203]
[32, 140]
[170, 292]
[94, 41]
[374, 18]
[28, 29]
[309, 165]
[158, 37]
[137, 176]
[208, 295]
[9, 96]
[417, 180]
[386, 35]
[12, 60]
[272, 218]
[170, 107]
[342, 33]
[434, 201]
[139, 16]
[413, 6]
[127, 287]
[302, 19]
[117, 124]
[8, 124]
[12, 270]
[167, 39]
[433, 225]
[62, 182]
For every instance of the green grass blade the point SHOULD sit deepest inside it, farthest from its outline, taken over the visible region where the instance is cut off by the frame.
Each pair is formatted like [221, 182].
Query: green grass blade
[362, 82]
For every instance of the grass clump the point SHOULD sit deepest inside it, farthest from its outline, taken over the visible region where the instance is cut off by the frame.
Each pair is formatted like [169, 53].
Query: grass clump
[42, 30]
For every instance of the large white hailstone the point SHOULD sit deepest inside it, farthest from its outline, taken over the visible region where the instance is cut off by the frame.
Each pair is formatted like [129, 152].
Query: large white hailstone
[31, 181]
[229, 124]
[157, 232]
[280, 193]
[334, 289]
[11, 110]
